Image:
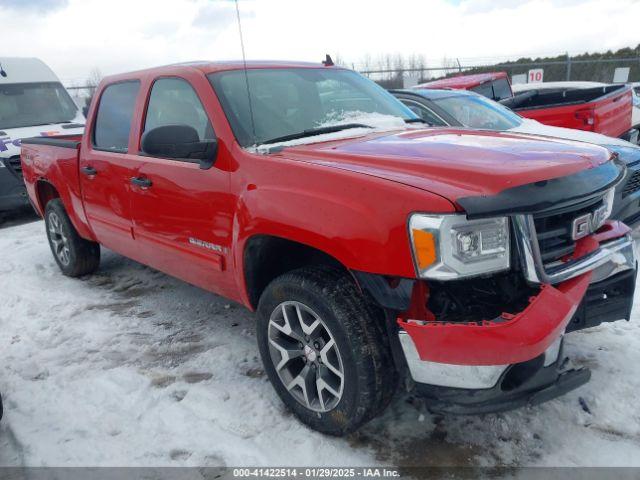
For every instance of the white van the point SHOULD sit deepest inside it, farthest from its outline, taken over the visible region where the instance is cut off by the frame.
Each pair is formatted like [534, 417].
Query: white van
[33, 103]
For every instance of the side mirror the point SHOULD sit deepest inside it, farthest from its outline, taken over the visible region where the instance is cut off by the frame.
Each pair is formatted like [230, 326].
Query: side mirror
[180, 142]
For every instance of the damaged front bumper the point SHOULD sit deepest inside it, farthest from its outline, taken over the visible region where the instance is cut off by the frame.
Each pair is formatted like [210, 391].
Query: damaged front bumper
[516, 360]
[523, 384]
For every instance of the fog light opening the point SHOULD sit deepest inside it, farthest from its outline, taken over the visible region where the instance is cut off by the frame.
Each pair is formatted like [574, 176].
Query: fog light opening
[519, 373]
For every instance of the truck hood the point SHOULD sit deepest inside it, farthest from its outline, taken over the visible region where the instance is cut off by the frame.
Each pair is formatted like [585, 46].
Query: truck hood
[454, 163]
[11, 138]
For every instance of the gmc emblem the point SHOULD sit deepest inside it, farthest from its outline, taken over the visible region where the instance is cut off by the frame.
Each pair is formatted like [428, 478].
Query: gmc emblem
[588, 223]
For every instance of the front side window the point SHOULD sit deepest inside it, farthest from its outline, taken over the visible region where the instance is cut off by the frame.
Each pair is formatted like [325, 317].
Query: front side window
[115, 112]
[287, 101]
[423, 112]
[174, 102]
[31, 104]
[475, 111]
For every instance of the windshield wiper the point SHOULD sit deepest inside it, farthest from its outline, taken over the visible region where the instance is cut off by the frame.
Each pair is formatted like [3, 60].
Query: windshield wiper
[316, 131]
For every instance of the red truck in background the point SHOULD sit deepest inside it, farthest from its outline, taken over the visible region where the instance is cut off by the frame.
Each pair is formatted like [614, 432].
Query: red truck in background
[370, 246]
[606, 110]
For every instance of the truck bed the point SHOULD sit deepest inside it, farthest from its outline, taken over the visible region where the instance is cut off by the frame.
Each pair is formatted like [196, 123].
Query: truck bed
[54, 161]
[605, 110]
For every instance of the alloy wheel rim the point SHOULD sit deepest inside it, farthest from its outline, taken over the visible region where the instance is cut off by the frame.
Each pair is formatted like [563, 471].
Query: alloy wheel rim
[59, 240]
[306, 356]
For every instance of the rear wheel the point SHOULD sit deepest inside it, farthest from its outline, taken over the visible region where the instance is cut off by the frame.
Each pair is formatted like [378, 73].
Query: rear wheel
[324, 349]
[74, 255]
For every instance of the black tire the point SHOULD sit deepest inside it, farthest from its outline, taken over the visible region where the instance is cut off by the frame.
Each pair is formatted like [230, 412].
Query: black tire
[81, 256]
[358, 330]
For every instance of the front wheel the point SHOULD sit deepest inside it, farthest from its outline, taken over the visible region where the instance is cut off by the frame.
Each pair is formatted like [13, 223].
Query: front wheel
[74, 255]
[324, 349]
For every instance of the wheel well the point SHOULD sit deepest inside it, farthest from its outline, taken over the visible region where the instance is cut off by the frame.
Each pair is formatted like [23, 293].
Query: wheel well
[46, 192]
[267, 257]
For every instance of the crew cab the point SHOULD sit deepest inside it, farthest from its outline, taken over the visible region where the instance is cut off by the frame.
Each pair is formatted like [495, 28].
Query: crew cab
[32, 102]
[464, 108]
[606, 110]
[370, 246]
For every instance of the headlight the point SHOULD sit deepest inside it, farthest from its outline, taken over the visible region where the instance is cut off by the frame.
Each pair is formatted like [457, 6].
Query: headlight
[447, 247]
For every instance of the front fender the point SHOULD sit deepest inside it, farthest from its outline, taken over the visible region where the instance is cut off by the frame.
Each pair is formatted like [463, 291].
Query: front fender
[359, 220]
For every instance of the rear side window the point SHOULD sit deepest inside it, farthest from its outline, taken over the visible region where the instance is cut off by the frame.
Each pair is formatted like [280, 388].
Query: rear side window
[496, 90]
[485, 90]
[501, 89]
[173, 101]
[115, 112]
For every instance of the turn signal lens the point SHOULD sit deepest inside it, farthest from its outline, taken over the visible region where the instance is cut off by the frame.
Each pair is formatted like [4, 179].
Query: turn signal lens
[450, 246]
[425, 248]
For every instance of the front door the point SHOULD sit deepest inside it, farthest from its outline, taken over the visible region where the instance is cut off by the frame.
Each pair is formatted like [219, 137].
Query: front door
[182, 214]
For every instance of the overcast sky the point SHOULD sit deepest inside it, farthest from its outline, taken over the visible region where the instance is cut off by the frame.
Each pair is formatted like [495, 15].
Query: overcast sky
[75, 36]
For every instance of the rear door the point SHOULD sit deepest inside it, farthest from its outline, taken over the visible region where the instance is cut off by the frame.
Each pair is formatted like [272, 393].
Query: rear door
[183, 216]
[106, 167]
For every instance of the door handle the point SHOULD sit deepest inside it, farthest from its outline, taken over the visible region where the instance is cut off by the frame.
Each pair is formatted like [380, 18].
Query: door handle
[141, 182]
[89, 170]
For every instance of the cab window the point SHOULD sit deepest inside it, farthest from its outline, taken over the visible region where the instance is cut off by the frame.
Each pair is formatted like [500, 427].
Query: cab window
[501, 89]
[113, 120]
[173, 101]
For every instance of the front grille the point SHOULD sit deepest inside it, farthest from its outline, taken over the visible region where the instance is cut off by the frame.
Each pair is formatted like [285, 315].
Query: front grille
[632, 185]
[553, 230]
[13, 163]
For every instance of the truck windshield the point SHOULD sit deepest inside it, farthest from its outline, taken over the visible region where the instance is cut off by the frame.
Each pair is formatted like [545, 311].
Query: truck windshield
[475, 111]
[288, 101]
[30, 104]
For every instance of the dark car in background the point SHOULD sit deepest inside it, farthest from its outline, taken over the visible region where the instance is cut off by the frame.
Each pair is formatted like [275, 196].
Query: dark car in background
[463, 108]
[605, 109]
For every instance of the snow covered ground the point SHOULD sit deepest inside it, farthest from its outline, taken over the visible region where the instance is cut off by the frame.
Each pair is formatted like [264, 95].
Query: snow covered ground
[131, 367]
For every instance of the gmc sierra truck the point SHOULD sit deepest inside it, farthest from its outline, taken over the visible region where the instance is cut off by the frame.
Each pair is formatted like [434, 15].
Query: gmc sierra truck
[372, 247]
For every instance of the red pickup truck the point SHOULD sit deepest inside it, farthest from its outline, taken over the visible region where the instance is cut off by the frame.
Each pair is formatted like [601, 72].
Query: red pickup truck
[606, 110]
[371, 246]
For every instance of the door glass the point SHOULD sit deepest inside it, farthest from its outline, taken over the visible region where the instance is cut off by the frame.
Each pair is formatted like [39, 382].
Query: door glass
[423, 112]
[174, 102]
[485, 90]
[501, 89]
[115, 112]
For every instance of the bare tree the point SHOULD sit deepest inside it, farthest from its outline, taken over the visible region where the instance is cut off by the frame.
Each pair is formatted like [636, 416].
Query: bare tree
[92, 81]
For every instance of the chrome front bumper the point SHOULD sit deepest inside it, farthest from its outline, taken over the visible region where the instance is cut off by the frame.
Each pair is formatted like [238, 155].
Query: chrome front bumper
[460, 376]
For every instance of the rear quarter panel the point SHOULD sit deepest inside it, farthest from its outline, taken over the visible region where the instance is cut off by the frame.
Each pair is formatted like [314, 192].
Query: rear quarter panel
[563, 116]
[57, 166]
